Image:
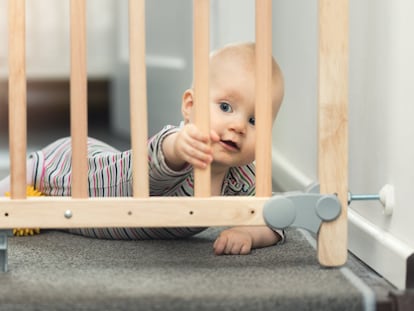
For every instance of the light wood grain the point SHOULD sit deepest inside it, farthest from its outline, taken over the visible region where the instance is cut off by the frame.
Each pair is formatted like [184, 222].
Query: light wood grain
[78, 99]
[48, 212]
[17, 98]
[333, 125]
[138, 98]
[263, 90]
[201, 33]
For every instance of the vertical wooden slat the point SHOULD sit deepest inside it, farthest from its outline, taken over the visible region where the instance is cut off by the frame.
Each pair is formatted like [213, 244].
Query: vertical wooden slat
[17, 98]
[263, 91]
[333, 125]
[138, 97]
[202, 186]
[78, 99]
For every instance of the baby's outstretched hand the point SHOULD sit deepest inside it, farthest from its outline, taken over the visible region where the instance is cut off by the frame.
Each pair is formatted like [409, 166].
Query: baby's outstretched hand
[193, 147]
[233, 242]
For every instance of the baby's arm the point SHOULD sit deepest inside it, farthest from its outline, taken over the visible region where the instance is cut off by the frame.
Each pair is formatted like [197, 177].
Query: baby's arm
[241, 240]
[188, 146]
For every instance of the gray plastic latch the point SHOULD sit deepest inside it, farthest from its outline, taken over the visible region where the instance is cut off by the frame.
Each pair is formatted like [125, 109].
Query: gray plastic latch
[302, 210]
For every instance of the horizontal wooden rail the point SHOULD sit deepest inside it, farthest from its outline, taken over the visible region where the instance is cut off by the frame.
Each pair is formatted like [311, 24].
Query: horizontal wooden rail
[54, 212]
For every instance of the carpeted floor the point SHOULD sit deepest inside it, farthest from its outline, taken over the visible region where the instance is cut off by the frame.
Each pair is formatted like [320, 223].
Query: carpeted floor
[60, 271]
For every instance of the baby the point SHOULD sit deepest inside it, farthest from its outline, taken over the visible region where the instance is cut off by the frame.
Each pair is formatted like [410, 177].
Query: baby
[175, 151]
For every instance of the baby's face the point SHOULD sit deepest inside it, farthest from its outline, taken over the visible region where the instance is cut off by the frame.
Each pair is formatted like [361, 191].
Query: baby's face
[232, 109]
[232, 104]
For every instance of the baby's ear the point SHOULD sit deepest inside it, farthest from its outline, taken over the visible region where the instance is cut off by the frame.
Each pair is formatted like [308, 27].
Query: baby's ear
[187, 105]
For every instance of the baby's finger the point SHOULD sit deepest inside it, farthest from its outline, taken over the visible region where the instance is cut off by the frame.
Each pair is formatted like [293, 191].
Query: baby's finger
[245, 250]
[219, 245]
[214, 136]
[201, 147]
[196, 157]
[196, 134]
[236, 249]
[228, 250]
[198, 163]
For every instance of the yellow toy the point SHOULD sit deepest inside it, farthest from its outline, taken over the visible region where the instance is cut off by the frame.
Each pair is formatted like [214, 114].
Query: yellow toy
[31, 192]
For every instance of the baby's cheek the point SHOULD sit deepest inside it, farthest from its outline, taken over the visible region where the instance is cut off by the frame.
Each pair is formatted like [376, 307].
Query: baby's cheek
[251, 144]
[250, 154]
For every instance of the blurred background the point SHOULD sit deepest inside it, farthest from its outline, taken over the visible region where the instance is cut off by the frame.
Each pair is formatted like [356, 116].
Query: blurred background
[169, 72]
[169, 48]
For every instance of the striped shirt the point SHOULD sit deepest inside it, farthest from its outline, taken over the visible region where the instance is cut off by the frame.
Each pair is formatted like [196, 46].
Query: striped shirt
[110, 175]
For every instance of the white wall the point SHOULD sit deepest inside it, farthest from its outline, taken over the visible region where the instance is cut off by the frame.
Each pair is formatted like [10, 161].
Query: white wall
[295, 131]
[381, 109]
[381, 127]
[230, 25]
[169, 63]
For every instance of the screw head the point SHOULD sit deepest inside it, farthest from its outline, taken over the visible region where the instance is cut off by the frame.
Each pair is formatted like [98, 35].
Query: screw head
[68, 214]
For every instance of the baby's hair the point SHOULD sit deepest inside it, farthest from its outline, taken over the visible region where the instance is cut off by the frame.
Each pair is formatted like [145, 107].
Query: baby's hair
[250, 48]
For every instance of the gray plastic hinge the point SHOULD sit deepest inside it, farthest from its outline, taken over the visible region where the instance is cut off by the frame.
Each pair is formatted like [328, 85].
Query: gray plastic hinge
[302, 210]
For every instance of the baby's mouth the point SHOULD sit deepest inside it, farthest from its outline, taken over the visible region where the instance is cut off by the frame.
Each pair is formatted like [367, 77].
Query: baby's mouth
[231, 144]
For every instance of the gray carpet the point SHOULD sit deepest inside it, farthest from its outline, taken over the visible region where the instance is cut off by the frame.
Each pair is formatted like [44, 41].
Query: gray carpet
[59, 271]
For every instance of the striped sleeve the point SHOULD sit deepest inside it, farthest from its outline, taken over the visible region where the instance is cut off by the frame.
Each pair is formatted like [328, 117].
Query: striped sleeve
[163, 180]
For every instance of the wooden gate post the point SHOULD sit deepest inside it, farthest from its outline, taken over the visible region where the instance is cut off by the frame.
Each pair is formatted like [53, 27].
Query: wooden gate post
[78, 99]
[333, 125]
[17, 98]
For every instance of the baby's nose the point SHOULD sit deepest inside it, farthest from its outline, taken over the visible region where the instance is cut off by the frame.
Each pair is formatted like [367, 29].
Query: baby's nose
[238, 126]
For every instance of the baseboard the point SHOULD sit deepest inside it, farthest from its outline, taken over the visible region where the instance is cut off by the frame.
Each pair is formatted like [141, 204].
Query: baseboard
[387, 255]
[286, 177]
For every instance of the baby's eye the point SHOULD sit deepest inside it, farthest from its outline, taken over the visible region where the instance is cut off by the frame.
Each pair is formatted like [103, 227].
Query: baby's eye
[225, 107]
[252, 120]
